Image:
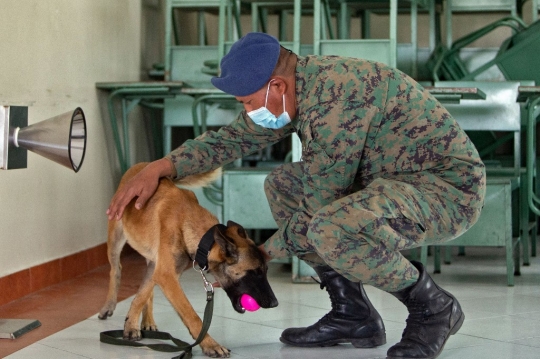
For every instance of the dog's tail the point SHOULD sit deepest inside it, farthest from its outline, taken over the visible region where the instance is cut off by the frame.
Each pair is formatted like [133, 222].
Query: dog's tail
[200, 179]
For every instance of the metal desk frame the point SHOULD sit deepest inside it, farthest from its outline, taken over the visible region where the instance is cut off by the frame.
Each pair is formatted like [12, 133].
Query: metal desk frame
[530, 95]
[131, 94]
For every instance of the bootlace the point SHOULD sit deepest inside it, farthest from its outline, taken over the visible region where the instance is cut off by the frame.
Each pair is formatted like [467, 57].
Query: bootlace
[414, 330]
[327, 316]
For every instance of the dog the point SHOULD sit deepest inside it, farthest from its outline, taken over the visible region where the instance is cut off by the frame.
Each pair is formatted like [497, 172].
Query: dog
[167, 232]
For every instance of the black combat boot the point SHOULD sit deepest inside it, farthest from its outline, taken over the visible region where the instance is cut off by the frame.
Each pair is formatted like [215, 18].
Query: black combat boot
[434, 315]
[351, 320]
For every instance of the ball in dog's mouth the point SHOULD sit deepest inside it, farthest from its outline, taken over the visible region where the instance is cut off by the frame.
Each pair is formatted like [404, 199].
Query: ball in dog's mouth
[249, 303]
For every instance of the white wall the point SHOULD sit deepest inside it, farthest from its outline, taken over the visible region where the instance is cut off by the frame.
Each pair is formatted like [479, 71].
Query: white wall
[52, 53]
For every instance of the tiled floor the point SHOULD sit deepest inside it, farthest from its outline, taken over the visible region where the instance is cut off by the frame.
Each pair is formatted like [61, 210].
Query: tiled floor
[501, 322]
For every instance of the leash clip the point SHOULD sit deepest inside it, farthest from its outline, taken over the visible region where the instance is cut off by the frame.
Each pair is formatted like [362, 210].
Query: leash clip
[208, 287]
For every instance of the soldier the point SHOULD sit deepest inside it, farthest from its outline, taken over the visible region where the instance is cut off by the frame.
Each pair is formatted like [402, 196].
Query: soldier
[384, 168]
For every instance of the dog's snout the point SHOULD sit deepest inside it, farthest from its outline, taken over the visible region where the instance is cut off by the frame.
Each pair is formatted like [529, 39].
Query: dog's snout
[274, 303]
[270, 302]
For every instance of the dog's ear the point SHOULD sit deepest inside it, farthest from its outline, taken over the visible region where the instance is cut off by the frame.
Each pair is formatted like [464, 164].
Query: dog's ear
[227, 246]
[239, 229]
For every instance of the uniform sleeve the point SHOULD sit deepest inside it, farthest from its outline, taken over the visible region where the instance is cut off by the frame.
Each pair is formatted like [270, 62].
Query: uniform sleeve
[214, 149]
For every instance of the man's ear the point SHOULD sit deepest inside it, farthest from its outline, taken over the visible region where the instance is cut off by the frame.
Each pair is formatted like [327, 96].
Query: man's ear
[281, 85]
[227, 246]
[239, 229]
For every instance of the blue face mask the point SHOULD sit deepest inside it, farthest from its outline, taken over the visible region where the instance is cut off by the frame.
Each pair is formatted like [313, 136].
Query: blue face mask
[263, 117]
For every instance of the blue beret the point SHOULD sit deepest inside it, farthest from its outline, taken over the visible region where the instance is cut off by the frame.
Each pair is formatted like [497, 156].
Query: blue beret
[248, 65]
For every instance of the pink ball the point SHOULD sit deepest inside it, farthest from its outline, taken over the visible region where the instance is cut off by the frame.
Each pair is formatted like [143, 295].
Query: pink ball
[249, 303]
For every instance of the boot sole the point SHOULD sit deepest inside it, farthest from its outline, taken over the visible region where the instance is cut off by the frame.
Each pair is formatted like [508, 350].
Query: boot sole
[357, 343]
[453, 331]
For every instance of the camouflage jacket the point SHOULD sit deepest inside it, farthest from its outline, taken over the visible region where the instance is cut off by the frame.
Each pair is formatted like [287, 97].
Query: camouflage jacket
[357, 120]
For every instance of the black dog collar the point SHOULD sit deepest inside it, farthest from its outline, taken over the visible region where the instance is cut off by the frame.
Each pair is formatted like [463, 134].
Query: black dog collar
[206, 243]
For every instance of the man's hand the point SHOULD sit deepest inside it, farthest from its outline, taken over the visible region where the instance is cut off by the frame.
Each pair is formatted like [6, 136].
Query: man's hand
[143, 185]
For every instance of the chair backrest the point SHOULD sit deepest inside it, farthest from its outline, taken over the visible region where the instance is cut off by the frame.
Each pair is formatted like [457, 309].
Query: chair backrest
[518, 56]
[484, 6]
[449, 64]
[499, 112]
[481, 6]
[186, 62]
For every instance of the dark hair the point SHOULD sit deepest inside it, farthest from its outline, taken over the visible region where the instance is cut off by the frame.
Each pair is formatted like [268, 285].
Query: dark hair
[281, 65]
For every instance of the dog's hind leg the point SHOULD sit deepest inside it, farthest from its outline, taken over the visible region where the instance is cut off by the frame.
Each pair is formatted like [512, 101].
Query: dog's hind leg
[116, 241]
[144, 295]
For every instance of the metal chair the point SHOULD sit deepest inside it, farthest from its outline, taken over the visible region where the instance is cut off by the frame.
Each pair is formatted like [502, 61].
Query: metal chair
[505, 218]
[407, 53]
[510, 7]
[512, 58]
[184, 62]
[382, 50]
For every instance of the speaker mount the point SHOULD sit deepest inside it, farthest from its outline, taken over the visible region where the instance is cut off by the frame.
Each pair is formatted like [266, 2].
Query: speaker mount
[61, 139]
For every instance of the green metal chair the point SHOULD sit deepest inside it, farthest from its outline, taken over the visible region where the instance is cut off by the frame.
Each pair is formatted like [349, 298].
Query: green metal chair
[184, 62]
[504, 221]
[510, 7]
[512, 58]
[195, 64]
[531, 98]
[284, 9]
[407, 53]
[382, 50]
[516, 59]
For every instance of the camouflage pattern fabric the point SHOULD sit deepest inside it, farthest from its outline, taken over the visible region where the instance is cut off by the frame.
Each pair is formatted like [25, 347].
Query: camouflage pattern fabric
[384, 168]
[361, 235]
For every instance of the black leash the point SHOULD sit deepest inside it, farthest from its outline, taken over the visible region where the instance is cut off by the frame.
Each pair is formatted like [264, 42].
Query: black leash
[201, 260]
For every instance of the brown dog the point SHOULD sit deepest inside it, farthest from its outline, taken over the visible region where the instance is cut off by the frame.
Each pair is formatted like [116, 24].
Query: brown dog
[167, 232]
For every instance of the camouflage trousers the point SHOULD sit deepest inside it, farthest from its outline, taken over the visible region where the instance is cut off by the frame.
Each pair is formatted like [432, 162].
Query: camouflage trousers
[361, 235]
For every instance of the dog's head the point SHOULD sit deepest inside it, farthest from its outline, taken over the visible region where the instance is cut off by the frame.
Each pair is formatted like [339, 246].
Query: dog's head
[239, 267]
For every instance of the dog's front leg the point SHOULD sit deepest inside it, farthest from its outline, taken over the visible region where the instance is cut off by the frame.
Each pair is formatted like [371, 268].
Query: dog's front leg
[115, 243]
[131, 326]
[171, 288]
[148, 322]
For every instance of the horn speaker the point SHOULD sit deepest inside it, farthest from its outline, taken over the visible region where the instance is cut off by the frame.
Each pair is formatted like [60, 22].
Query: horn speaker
[61, 139]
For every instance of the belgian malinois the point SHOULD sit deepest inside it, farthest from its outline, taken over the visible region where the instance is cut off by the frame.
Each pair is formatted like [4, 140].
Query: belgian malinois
[167, 232]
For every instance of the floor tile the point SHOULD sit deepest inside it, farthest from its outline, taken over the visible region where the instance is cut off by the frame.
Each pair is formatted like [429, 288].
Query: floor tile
[493, 350]
[501, 321]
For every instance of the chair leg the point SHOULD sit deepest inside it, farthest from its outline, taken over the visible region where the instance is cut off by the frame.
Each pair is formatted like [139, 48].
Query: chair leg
[534, 239]
[423, 255]
[510, 262]
[524, 213]
[437, 259]
[448, 255]
[167, 132]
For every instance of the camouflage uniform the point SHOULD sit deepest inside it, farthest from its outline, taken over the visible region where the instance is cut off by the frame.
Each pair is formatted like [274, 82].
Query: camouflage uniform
[384, 168]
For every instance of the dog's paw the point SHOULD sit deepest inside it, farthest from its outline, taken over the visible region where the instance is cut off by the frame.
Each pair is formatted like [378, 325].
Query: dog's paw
[216, 351]
[132, 334]
[107, 310]
[149, 326]
[105, 313]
